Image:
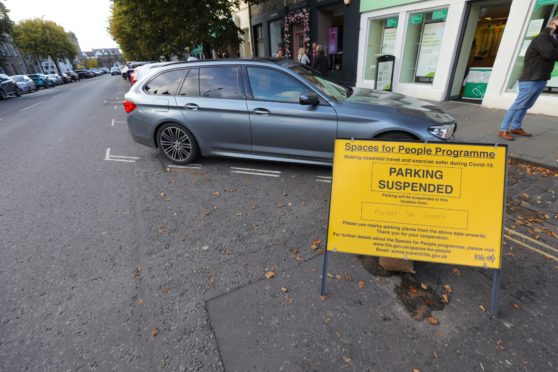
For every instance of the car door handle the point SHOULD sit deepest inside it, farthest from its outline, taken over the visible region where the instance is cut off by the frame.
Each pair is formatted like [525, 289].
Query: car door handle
[261, 111]
[191, 106]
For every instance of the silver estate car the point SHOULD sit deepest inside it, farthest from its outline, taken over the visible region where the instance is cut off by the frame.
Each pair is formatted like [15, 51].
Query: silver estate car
[276, 110]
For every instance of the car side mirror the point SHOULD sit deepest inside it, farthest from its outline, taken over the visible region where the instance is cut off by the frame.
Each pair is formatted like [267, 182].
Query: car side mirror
[309, 98]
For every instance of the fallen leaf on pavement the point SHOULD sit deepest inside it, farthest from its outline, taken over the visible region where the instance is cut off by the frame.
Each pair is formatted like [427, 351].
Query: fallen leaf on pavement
[290, 300]
[315, 244]
[285, 290]
[445, 298]
[160, 230]
[346, 360]
[140, 301]
[166, 290]
[330, 275]
[205, 248]
[348, 277]
[516, 306]
[500, 345]
[270, 274]
[424, 286]
[213, 280]
[456, 271]
[413, 290]
[361, 283]
[154, 331]
[433, 320]
[483, 309]
[416, 370]
[323, 298]
[448, 288]
[163, 194]
[216, 193]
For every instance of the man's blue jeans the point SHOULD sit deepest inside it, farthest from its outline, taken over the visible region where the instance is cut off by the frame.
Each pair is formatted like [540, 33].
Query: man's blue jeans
[529, 91]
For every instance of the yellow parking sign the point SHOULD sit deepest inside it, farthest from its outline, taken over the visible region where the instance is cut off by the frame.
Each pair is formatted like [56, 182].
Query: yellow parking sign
[435, 202]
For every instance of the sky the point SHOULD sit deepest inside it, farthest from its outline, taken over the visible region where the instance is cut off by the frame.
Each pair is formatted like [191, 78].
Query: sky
[87, 19]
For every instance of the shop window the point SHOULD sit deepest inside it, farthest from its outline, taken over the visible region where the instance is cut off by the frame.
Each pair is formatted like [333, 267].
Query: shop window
[275, 37]
[544, 11]
[381, 41]
[423, 41]
[259, 40]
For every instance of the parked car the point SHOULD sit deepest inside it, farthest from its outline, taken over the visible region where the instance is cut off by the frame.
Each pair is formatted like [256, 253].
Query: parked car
[85, 74]
[41, 81]
[141, 70]
[104, 70]
[55, 78]
[114, 71]
[8, 87]
[131, 66]
[25, 83]
[276, 110]
[65, 78]
[73, 75]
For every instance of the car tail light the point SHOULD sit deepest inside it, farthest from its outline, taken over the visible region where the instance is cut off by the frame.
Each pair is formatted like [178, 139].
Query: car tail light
[129, 106]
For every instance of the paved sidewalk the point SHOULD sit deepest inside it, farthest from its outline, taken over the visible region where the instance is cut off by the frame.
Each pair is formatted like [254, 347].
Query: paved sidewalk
[480, 124]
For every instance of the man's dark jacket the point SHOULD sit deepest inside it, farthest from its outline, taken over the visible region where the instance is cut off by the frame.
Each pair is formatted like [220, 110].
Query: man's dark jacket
[540, 57]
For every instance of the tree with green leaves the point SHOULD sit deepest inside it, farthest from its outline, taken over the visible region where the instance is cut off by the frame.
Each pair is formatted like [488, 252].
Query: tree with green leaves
[149, 29]
[43, 39]
[6, 23]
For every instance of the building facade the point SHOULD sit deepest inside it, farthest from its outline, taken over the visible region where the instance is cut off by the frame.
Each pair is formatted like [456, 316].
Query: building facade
[106, 57]
[11, 60]
[469, 50]
[289, 25]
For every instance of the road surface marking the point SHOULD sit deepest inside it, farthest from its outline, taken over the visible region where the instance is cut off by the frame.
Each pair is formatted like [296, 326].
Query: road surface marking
[544, 254]
[112, 124]
[255, 172]
[324, 179]
[180, 168]
[125, 159]
[531, 239]
[27, 108]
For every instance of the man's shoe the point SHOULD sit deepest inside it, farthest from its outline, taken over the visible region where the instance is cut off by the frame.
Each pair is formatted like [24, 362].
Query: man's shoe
[520, 132]
[505, 135]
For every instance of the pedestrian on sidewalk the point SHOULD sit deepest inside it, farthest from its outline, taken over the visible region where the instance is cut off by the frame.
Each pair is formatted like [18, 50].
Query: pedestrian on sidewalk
[302, 57]
[321, 62]
[540, 57]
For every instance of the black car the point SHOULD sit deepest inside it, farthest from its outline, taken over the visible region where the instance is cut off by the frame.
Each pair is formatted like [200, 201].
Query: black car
[8, 87]
[72, 75]
[65, 78]
[85, 74]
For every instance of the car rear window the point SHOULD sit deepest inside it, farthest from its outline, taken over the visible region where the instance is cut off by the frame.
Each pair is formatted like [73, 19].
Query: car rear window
[220, 82]
[165, 84]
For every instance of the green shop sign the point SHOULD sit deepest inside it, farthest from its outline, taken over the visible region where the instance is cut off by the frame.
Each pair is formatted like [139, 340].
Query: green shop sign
[441, 14]
[369, 5]
[546, 2]
[416, 19]
[392, 22]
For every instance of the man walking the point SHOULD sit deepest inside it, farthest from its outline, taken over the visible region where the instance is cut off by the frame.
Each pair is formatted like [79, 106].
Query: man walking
[541, 55]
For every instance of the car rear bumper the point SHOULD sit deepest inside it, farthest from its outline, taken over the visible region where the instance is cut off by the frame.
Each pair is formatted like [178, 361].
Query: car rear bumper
[141, 131]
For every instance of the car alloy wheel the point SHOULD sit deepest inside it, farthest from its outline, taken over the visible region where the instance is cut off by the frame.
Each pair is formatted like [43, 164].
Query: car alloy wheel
[177, 144]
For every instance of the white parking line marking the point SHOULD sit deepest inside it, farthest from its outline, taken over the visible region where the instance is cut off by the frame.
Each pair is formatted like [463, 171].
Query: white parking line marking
[125, 159]
[256, 174]
[324, 179]
[112, 124]
[255, 170]
[27, 108]
[191, 166]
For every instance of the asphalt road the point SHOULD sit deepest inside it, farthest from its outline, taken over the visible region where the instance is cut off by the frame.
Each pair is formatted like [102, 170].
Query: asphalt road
[107, 264]
[110, 262]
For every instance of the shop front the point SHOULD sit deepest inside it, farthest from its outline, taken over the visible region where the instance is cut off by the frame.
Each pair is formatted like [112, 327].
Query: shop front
[284, 27]
[453, 49]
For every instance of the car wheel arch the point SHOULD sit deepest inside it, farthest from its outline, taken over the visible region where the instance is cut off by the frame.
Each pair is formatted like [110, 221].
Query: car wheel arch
[394, 133]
